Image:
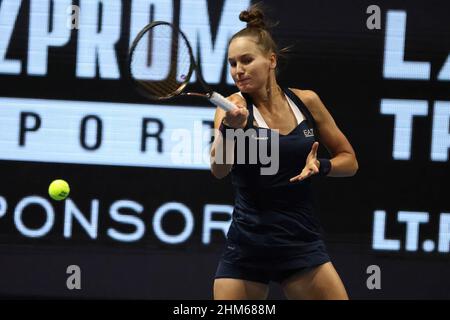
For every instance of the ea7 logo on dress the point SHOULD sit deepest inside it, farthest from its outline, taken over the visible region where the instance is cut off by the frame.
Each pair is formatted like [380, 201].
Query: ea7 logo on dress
[308, 132]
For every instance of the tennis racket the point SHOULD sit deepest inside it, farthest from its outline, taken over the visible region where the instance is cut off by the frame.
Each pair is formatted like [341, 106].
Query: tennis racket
[161, 64]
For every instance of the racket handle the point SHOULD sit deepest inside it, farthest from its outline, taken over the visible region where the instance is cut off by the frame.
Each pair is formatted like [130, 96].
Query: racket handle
[221, 101]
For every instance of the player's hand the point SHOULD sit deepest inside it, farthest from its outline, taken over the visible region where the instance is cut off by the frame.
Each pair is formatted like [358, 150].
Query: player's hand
[236, 118]
[311, 167]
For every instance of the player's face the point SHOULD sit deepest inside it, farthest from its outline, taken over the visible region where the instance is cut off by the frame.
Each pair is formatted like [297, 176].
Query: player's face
[250, 67]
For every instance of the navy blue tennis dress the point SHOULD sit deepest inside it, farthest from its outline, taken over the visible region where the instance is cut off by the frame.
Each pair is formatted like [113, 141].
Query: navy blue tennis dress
[274, 232]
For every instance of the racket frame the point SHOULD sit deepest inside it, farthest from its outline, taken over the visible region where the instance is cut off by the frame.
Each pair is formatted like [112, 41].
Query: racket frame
[209, 94]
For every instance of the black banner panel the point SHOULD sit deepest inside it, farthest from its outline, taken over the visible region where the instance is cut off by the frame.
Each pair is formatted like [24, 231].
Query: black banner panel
[145, 218]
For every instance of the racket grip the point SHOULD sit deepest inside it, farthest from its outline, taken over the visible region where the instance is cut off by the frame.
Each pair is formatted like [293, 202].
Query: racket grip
[221, 101]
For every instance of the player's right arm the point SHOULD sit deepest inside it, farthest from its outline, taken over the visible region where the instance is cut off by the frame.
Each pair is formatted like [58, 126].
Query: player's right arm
[222, 154]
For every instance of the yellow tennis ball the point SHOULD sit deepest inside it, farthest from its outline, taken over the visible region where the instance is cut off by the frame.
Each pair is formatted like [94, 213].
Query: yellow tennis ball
[58, 189]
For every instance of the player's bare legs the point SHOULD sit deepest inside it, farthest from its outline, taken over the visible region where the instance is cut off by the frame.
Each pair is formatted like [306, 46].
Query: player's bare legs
[321, 283]
[237, 289]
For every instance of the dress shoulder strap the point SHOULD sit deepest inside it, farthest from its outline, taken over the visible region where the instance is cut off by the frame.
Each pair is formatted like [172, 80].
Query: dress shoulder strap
[299, 103]
[251, 117]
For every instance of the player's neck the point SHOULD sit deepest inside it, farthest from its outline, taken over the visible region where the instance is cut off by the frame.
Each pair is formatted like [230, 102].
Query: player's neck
[267, 97]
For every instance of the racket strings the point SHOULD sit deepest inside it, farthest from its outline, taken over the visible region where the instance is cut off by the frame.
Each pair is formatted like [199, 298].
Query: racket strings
[161, 62]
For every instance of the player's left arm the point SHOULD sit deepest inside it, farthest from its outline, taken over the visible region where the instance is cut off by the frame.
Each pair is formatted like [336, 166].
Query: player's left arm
[343, 158]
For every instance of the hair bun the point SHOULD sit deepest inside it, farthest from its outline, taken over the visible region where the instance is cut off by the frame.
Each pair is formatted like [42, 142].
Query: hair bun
[254, 18]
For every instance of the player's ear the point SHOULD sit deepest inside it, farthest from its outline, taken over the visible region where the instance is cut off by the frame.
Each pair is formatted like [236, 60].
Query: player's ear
[273, 60]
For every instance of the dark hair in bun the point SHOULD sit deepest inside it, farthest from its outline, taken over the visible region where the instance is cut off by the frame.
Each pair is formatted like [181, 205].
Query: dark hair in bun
[258, 28]
[254, 17]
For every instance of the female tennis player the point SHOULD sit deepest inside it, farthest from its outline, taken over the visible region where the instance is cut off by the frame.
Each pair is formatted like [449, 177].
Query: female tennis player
[274, 235]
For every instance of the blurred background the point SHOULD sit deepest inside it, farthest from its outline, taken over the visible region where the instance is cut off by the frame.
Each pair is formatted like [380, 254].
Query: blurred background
[145, 219]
